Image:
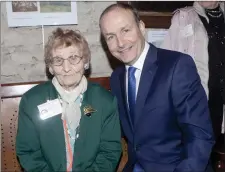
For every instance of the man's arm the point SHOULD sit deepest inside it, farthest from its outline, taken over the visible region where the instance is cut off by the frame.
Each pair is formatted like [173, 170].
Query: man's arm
[110, 146]
[191, 106]
[28, 147]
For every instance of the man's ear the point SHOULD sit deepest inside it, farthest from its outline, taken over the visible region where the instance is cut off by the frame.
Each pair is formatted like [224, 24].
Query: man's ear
[142, 27]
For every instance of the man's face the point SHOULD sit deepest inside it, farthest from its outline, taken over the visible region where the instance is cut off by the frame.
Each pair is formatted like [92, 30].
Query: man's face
[124, 37]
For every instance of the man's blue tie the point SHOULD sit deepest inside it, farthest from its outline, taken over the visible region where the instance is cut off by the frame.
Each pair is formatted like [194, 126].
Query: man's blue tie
[131, 91]
[132, 100]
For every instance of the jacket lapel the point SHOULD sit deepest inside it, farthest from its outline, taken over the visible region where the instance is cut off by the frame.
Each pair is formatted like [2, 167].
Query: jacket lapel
[54, 126]
[122, 78]
[85, 123]
[78, 157]
[147, 76]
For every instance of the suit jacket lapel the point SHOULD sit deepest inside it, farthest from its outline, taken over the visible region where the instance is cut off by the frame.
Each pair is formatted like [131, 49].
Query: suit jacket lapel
[147, 75]
[124, 95]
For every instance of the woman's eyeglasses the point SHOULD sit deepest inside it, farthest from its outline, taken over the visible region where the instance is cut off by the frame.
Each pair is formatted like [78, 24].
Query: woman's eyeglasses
[58, 61]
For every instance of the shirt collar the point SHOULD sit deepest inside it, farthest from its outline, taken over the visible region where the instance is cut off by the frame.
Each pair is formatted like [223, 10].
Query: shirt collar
[140, 62]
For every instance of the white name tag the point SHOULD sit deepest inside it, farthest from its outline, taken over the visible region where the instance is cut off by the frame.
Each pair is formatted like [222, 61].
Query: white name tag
[49, 109]
[187, 31]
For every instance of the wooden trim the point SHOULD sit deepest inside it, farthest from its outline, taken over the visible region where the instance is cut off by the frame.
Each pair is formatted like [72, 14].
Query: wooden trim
[18, 89]
[154, 19]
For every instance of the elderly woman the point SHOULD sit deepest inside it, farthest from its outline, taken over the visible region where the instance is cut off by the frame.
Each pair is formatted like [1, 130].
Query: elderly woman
[68, 123]
[200, 32]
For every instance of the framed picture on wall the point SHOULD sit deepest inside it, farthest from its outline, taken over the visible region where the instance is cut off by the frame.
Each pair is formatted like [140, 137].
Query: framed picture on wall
[157, 14]
[34, 13]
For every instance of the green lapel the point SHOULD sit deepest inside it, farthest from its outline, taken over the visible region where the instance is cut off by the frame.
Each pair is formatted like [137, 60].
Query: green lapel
[54, 127]
[85, 123]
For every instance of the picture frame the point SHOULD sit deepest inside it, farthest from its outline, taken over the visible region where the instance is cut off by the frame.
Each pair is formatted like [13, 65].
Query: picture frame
[35, 13]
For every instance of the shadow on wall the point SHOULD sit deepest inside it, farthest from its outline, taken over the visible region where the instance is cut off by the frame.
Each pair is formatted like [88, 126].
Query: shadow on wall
[114, 63]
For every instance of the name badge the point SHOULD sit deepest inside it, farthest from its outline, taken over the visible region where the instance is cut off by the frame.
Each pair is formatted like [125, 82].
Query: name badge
[49, 109]
[187, 31]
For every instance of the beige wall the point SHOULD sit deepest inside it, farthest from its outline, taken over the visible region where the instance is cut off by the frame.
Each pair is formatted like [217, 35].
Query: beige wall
[22, 48]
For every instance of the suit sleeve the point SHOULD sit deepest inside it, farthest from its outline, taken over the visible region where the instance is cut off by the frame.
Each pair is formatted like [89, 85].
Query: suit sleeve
[28, 147]
[110, 145]
[191, 106]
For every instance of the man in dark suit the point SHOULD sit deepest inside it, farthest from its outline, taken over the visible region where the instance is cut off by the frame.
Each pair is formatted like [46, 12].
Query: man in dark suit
[162, 104]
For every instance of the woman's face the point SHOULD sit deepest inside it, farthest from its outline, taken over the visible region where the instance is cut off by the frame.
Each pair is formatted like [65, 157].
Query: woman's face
[68, 74]
[209, 4]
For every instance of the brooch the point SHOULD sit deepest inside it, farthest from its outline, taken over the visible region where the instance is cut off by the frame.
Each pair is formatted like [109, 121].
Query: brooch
[88, 110]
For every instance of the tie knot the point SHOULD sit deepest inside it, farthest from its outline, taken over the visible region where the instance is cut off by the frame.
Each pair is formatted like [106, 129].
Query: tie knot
[131, 70]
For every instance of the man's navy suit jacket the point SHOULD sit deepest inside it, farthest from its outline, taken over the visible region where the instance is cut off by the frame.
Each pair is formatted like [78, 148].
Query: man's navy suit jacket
[172, 128]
